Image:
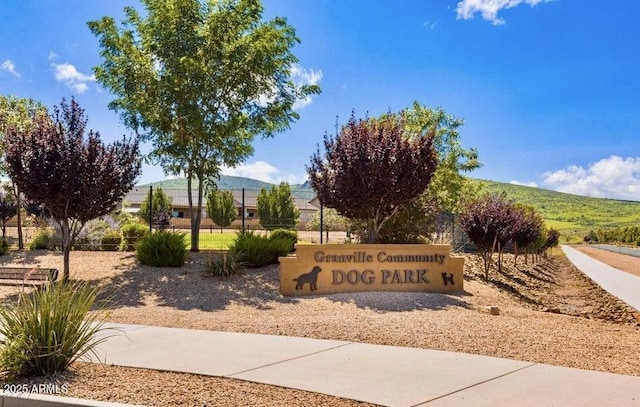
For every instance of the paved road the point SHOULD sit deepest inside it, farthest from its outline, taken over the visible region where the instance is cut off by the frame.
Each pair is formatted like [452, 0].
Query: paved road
[617, 282]
[618, 249]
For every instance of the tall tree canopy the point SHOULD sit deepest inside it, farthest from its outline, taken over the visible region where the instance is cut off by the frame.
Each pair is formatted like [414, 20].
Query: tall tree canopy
[221, 208]
[75, 178]
[449, 187]
[200, 79]
[276, 208]
[370, 170]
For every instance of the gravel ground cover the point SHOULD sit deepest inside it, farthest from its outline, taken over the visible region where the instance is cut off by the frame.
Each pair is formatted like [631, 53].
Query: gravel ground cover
[550, 313]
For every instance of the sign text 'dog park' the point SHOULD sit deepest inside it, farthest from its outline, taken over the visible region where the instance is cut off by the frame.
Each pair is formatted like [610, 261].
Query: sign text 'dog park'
[338, 268]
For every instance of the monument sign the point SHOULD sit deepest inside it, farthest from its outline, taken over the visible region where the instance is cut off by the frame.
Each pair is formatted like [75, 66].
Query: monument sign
[341, 268]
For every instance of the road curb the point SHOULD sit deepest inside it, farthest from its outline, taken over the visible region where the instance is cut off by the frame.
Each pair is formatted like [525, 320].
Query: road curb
[44, 400]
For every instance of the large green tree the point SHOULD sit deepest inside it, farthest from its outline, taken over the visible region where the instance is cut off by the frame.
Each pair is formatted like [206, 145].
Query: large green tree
[16, 113]
[221, 208]
[200, 79]
[276, 208]
[449, 186]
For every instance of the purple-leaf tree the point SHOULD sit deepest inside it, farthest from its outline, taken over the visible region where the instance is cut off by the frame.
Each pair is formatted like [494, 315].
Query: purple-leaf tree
[371, 170]
[76, 178]
[527, 228]
[8, 209]
[488, 222]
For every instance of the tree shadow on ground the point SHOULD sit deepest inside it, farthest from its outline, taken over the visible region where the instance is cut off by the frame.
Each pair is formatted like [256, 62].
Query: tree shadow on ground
[189, 287]
[26, 258]
[387, 301]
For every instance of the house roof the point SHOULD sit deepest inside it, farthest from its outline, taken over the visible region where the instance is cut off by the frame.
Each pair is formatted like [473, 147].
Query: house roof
[179, 198]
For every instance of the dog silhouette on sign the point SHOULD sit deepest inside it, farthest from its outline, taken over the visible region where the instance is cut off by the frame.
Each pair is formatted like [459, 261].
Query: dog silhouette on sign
[310, 278]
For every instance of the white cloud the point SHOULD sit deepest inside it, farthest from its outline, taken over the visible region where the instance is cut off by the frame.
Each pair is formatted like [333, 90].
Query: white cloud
[430, 25]
[301, 77]
[489, 9]
[613, 177]
[526, 184]
[74, 79]
[9, 66]
[52, 56]
[264, 171]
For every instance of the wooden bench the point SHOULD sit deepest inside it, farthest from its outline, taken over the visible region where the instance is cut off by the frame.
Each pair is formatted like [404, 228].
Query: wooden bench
[27, 275]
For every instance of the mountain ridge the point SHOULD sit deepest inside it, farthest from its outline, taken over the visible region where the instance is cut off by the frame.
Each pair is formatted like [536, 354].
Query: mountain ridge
[573, 215]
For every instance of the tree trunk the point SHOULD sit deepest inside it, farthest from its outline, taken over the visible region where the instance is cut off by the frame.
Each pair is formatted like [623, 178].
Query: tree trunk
[199, 214]
[66, 249]
[194, 227]
[16, 189]
[485, 257]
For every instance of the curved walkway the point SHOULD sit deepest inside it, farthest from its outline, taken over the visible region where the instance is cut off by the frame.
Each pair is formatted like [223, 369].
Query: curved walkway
[383, 375]
[617, 282]
[618, 249]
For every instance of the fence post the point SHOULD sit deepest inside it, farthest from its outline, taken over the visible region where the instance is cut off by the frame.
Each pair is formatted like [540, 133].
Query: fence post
[150, 208]
[321, 221]
[243, 210]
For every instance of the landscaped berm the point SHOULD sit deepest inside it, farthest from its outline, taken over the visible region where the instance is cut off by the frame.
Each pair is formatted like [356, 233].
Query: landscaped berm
[549, 313]
[339, 268]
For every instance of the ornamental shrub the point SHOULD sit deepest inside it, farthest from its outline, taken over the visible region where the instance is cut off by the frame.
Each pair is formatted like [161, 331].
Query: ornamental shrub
[258, 251]
[47, 330]
[43, 240]
[162, 249]
[286, 234]
[111, 241]
[4, 247]
[131, 234]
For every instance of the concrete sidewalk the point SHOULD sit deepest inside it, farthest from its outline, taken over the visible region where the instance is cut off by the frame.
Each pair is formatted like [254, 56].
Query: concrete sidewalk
[384, 375]
[619, 283]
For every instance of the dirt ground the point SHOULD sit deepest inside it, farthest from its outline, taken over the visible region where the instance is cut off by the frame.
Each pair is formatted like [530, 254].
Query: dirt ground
[549, 313]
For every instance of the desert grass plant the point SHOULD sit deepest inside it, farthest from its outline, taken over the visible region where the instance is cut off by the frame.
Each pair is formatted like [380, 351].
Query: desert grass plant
[48, 329]
[258, 251]
[162, 249]
[224, 264]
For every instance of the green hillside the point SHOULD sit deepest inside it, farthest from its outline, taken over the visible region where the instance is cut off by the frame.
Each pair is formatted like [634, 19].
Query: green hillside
[573, 215]
[232, 182]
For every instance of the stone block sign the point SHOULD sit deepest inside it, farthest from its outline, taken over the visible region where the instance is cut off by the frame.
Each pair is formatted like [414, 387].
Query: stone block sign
[343, 268]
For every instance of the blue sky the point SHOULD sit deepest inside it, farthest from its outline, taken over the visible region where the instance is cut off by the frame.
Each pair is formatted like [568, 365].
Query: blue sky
[549, 90]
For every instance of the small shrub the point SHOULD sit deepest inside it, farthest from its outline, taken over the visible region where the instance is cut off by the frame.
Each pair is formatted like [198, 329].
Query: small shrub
[4, 247]
[259, 251]
[224, 264]
[162, 249]
[111, 241]
[285, 234]
[43, 240]
[131, 234]
[47, 330]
